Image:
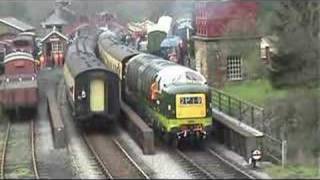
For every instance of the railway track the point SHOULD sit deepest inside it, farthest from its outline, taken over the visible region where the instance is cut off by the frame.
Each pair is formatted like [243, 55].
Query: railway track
[18, 159]
[116, 162]
[207, 164]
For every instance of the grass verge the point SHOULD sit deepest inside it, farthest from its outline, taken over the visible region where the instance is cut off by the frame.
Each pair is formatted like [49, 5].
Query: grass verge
[292, 172]
[255, 91]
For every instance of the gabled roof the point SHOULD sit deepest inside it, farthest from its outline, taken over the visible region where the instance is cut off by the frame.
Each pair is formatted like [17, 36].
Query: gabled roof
[54, 19]
[17, 24]
[54, 31]
[59, 16]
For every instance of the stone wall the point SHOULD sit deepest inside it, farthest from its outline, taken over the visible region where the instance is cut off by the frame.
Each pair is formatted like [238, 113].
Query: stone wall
[211, 57]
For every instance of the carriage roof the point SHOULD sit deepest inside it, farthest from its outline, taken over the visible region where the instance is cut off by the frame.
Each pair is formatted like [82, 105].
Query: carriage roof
[117, 50]
[79, 62]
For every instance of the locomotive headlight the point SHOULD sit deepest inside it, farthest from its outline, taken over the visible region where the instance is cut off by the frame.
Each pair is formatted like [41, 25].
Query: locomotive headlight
[83, 94]
[32, 78]
[8, 80]
[158, 102]
[20, 79]
[169, 107]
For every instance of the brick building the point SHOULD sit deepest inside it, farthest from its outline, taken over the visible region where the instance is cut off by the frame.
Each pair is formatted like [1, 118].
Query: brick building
[226, 41]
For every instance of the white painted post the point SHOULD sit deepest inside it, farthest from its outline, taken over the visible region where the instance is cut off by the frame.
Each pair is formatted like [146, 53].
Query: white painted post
[283, 153]
[318, 166]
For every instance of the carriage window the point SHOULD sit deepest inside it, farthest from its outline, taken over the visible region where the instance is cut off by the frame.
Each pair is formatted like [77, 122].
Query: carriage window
[190, 100]
[21, 43]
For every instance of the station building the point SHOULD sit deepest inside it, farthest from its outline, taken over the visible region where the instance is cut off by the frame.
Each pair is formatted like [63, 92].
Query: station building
[226, 42]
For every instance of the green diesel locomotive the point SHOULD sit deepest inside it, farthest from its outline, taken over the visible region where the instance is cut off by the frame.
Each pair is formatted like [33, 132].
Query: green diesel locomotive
[173, 99]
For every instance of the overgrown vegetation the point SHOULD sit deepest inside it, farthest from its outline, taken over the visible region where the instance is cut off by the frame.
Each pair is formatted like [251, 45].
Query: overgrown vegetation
[297, 25]
[292, 172]
[256, 91]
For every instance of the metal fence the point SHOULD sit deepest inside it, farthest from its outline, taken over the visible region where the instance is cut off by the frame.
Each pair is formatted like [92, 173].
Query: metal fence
[254, 116]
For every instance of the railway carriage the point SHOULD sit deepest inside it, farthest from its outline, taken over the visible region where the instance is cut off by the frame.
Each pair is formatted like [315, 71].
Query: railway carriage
[92, 89]
[114, 55]
[172, 99]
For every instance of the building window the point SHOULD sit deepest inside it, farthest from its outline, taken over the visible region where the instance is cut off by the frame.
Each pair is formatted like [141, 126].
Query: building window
[57, 47]
[234, 64]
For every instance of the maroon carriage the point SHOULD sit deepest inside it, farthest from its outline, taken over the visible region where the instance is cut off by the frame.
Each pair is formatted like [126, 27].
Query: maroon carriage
[18, 84]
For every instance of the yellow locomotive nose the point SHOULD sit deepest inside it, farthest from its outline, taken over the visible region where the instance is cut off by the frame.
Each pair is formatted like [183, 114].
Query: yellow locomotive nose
[190, 105]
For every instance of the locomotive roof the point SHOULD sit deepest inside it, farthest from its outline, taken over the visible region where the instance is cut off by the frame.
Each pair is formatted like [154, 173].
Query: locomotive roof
[23, 38]
[79, 62]
[113, 47]
[18, 55]
[169, 72]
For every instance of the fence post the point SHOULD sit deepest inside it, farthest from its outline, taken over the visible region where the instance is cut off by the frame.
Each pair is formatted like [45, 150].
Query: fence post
[252, 116]
[219, 100]
[229, 105]
[283, 153]
[263, 122]
[240, 118]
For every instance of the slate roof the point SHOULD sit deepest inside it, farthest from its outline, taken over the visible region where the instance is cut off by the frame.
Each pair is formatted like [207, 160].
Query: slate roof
[17, 24]
[60, 16]
[54, 19]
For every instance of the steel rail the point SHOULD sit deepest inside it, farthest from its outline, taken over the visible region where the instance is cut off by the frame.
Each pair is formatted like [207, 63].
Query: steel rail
[130, 159]
[33, 150]
[211, 151]
[4, 149]
[209, 175]
[97, 157]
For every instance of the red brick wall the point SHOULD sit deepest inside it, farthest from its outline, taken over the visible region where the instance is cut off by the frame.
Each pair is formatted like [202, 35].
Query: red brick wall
[214, 19]
[19, 66]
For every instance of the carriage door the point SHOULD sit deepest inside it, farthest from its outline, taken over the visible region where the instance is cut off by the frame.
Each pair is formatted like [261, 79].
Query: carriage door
[97, 95]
